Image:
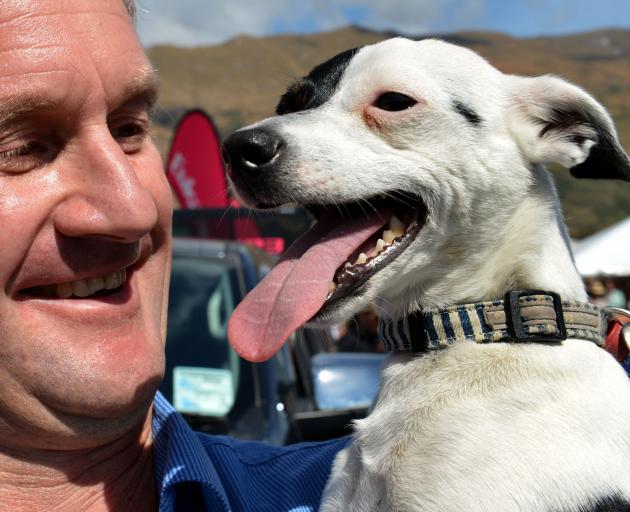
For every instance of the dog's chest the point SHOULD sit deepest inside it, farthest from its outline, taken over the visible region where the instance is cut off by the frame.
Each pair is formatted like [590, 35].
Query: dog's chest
[490, 428]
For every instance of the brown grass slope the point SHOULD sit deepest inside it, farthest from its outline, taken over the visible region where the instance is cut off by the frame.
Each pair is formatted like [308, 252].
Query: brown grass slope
[240, 82]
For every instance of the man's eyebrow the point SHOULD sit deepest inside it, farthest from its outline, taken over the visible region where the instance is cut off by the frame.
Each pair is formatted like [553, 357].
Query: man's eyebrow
[142, 88]
[14, 107]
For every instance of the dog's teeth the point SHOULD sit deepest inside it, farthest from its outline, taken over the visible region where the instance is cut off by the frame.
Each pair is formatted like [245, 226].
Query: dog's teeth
[361, 259]
[332, 286]
[389, 236]
[396, 225]
[380, 245]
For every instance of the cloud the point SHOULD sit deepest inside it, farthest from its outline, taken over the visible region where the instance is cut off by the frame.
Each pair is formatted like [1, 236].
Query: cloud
[197, 22]
[418, 17]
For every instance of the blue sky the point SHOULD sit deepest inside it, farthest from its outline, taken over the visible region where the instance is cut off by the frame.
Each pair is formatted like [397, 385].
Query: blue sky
[199, 22]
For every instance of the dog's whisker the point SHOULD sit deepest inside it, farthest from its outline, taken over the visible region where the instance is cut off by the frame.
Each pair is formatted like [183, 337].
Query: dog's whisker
[224, 214]
[363, 209]
[398, 199]
[343, 206]
[367, 201]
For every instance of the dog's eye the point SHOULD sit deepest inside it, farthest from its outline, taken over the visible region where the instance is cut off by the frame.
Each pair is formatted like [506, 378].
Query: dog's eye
[394, 102]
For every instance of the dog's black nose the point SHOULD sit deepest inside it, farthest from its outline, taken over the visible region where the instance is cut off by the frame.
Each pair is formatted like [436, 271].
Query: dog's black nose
[251, 150]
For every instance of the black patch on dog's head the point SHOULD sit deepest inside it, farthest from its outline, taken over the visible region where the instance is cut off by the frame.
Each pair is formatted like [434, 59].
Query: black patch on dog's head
[614, 503]
[317, 87]
[469, 114]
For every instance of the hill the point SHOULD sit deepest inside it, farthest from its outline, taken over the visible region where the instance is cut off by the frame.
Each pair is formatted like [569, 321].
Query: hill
[240, 82]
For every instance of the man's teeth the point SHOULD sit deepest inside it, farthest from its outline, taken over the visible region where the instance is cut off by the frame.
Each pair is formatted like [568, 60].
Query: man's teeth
[115, 279]
[86, 287]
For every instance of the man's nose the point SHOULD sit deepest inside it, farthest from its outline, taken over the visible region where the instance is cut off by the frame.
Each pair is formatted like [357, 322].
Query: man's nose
[106, 193]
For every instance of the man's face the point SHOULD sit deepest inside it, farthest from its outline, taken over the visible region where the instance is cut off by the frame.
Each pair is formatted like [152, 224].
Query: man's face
[83, 201]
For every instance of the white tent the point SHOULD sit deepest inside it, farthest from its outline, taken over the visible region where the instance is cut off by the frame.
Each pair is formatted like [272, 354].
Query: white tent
[606, 252]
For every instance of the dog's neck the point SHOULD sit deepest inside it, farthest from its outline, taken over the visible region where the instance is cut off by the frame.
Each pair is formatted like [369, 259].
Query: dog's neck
[535, 249]
[533, 252]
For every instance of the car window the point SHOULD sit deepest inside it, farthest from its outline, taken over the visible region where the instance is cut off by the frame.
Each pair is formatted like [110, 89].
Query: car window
[203, 372]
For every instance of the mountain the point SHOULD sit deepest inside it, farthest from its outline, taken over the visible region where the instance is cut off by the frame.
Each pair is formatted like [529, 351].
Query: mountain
[240, 81]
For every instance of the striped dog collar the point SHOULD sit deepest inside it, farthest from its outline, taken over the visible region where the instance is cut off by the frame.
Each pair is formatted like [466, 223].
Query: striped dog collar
[523, 316]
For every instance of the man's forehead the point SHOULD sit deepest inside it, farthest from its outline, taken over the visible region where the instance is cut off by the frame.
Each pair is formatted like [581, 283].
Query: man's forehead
[51, 48]
[48, 27]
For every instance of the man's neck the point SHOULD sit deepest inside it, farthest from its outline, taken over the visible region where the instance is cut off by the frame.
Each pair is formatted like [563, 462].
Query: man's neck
[117, 476]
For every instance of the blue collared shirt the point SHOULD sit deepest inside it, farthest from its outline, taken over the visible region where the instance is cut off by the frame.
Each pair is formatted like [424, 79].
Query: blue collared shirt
[196, 471]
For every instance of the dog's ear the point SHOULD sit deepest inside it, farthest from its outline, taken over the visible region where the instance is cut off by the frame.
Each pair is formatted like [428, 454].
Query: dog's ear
[555, 121]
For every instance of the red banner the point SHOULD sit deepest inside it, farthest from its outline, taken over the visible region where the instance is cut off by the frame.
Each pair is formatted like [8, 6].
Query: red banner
[195, 171]
[195, 167]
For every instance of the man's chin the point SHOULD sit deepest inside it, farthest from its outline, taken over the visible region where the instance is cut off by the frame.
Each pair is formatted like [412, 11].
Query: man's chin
[104, 387]
[83, 423]
[110, 404]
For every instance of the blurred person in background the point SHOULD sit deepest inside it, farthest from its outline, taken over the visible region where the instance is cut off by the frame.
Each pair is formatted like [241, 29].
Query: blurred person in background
[596, 292]
[615, 297]
[605, 293]
[85, 211]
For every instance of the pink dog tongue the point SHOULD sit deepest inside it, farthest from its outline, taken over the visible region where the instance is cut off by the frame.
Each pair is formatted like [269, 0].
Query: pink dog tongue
[297, 286]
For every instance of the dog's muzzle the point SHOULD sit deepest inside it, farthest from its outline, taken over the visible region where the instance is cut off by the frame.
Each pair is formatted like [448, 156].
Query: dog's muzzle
[251, 157]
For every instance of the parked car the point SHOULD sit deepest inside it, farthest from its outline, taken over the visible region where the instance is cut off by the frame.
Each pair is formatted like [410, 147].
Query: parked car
[206, 381]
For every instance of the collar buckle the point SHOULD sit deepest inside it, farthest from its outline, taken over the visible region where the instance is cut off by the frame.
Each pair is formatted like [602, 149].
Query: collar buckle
[514, 318]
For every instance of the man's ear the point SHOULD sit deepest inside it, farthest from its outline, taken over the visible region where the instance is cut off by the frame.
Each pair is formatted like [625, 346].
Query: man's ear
[555, 121]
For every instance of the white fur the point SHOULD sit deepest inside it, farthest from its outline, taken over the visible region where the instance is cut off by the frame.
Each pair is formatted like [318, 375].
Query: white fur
[490, 428]
[497, 427]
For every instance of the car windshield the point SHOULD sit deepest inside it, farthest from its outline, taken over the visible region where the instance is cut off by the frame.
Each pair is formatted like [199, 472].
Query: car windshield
[202, 374]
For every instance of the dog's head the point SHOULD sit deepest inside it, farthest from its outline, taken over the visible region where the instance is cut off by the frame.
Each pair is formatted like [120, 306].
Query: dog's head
[420, 162]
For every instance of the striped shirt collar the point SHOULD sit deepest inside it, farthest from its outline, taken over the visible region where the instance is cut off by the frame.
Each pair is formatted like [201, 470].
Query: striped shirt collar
[178, 456]
[523, 316]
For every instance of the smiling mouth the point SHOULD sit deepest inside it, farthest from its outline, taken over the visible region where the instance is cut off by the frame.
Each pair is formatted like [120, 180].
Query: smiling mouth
[383, 247]
[378, 252]
[332, 261]
[82, 288]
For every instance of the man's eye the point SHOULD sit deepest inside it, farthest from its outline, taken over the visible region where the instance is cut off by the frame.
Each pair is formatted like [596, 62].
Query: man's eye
[31, 148]
[130, 135]
[394, 102]
[128, 130]
[18, 158]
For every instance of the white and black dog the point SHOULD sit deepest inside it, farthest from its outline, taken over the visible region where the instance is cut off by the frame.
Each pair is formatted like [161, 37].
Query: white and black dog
[424, 167]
